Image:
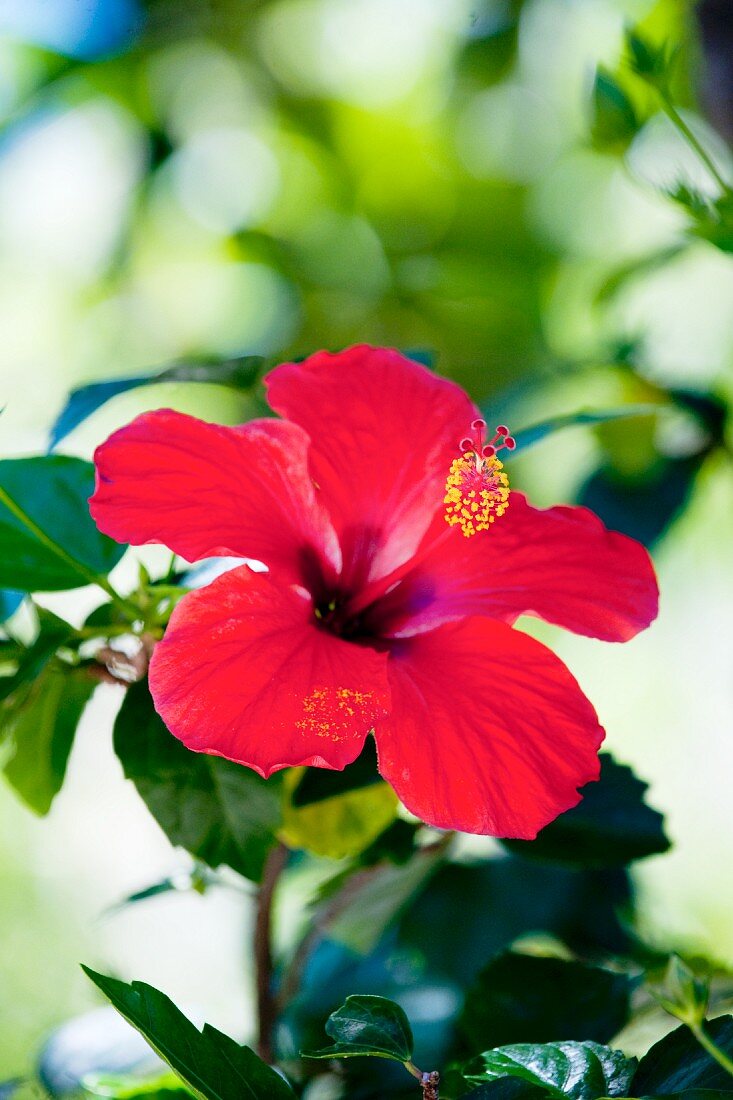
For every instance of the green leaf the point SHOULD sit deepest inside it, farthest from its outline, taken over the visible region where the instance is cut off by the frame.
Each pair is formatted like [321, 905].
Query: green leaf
[695, 1094]
[638, 268]
[505, 1088]
[649, 61]
[386, 890]
[719, 235]
[220, 812]
[41, 731]
[198, 880]
[581, 1071]
[211, 1064]
[427, 357]
[643, 509]
[533, 999]
[684, 993]
[52, 634]
[505, 898]
[48, 540]
[368, 1025]
[528, 437]
[319, 784]
[238, 374]
[341, 826]
[611, 826]
[614, 117]
[129, 1086]
[678, 1063]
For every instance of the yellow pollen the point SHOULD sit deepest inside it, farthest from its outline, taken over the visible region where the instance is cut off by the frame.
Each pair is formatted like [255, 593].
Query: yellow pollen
[476, 492]
[333, 712]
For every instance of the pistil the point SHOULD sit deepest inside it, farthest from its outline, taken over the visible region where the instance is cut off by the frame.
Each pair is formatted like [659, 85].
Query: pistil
[477, 488]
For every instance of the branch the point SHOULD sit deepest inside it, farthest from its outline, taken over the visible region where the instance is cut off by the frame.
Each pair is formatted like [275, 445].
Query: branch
[262, 946]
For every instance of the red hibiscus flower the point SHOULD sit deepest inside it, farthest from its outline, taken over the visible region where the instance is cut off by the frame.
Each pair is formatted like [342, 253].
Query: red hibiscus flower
[375, 614]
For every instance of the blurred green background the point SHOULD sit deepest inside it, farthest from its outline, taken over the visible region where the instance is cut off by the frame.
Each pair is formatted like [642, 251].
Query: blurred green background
[205, 178]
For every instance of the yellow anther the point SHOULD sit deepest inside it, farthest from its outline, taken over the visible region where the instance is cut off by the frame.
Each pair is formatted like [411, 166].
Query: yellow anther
[476, 492]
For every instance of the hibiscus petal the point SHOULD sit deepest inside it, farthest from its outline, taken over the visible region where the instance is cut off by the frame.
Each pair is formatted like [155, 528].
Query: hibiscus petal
[561, 564]
[206, 490]
[383, 431]
[245, 672]
[488, 732]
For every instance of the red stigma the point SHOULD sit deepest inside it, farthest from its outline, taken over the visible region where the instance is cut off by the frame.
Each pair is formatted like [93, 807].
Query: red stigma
[478, 444]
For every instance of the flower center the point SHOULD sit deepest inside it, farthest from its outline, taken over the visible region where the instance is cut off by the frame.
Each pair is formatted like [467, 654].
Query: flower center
[477, 489]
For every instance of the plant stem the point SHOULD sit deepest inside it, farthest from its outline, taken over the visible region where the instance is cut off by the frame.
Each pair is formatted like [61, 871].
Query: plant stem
[262, 945]
[698, 1030]
[674, 115]
[429, 1082]
[430, 1085]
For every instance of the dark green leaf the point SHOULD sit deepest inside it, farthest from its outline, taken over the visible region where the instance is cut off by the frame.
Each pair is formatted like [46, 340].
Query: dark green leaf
[368, 1025]
[581, 1071]
[649, 61]
[396, 844]
[53, 633]
[48, 540]
[220, 812]
[643, 509]
[528, 437]
[532, 999]
[41, 730]
[611, 826]
[505, 1088]
[238, 374]
[211, 1064]
[678, 1062]
[426, 356]
[718, 226]
[502, 899]
[695, 1094]
[696, 202]
[197, 880]
[318, 784]
[614, 117]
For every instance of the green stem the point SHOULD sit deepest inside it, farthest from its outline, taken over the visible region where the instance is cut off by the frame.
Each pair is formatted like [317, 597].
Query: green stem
[713, 1050]
[674, 115]
[79, 567]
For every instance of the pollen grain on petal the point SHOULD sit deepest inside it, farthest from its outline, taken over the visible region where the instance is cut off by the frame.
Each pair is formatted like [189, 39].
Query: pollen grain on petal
[333, 712]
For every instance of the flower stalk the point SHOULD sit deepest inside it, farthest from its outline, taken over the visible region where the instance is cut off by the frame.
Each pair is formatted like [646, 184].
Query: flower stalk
[698, 1030]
